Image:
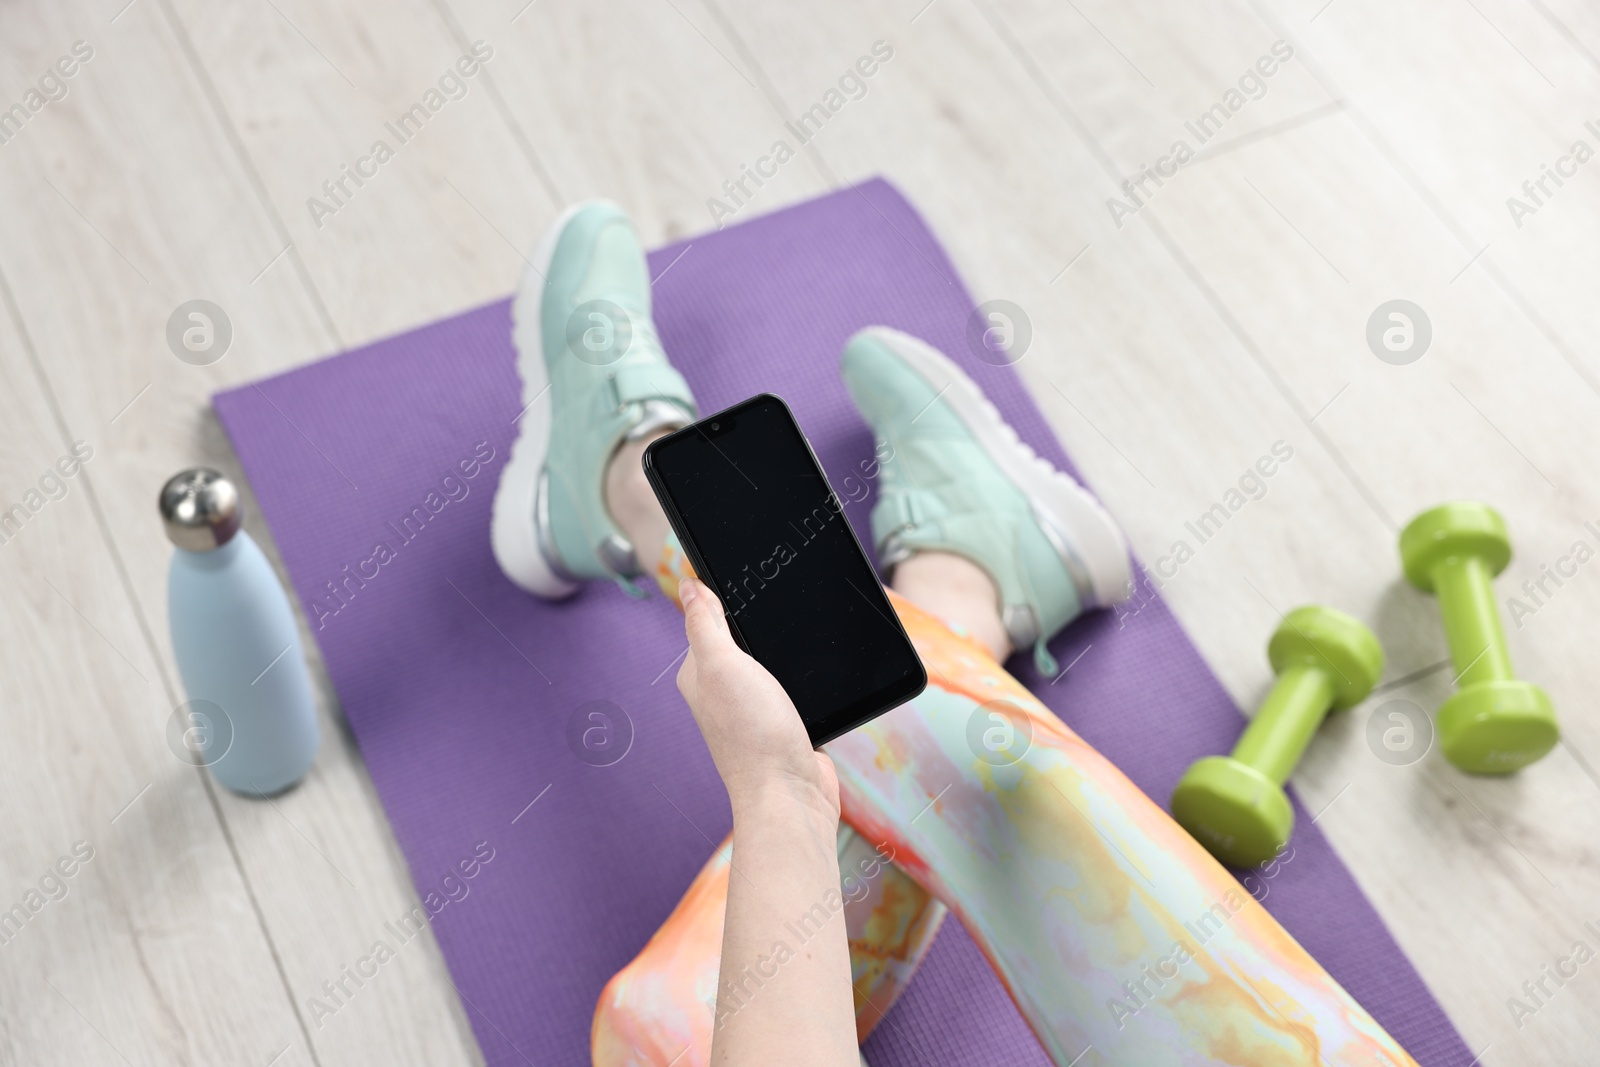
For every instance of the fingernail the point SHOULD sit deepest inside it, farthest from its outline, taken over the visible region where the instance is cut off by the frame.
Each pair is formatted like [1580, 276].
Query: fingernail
[688, 589]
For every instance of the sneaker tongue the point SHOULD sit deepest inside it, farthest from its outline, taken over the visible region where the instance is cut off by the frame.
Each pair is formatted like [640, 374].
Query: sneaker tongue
[616, 262]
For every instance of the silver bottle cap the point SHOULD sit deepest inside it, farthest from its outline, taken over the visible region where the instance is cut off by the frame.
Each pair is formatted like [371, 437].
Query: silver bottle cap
[200, 509]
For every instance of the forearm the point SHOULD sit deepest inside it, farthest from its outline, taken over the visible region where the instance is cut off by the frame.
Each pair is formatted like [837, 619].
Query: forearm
[784, 995]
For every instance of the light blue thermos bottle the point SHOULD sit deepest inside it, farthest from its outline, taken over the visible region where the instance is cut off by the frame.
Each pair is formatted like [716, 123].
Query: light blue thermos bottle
[250, 716]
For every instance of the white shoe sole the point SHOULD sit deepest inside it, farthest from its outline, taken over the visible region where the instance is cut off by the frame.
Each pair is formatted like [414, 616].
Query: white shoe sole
[512, 531]
[1086, 537]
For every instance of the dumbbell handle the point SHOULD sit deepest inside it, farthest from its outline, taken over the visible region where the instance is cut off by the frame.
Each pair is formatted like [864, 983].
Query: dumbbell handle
[1277, 737]
[1464, 586]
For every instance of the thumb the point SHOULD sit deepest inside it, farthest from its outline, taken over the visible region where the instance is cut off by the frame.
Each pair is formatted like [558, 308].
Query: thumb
[703, 619]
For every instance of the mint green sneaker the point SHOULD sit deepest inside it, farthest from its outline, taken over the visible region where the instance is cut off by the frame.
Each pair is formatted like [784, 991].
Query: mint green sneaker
[958, 480]
[593, 376]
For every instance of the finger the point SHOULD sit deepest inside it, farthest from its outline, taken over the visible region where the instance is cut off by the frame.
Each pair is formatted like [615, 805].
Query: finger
[702, 618]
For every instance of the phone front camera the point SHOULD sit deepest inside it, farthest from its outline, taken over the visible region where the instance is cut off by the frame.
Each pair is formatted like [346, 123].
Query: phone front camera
[716, 425]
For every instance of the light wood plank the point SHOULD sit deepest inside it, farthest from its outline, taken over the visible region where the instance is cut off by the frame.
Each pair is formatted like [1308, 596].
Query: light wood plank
[310, 89]
[651, 104]
[1467, 103]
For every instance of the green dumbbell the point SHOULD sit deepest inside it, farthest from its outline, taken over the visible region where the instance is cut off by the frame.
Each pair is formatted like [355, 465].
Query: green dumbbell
[1235, 805]
[1494, 723]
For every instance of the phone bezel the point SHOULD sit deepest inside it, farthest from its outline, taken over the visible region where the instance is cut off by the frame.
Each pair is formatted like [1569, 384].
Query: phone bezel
[875, 703]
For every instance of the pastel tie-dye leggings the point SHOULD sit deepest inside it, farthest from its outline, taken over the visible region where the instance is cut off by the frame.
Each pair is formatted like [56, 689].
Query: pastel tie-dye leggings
[1120, 939]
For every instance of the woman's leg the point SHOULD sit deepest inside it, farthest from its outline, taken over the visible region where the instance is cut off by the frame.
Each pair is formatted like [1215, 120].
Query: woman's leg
[1111, 927]
[662, 1007]
[632, 503]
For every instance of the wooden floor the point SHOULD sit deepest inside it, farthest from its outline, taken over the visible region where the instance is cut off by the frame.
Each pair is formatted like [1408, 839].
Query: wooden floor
[1177, 338]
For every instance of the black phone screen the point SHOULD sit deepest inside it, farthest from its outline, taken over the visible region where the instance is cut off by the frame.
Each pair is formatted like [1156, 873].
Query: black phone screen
[764, 529]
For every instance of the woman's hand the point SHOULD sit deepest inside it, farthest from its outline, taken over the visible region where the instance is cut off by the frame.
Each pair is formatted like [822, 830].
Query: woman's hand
[782, 999]
[756, 738]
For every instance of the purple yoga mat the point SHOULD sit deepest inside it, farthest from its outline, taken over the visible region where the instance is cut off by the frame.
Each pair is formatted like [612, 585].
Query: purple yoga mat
[460, 687]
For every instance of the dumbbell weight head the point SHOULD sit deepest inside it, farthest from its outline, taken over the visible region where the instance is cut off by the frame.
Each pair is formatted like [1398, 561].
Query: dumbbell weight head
[1241, 816]
[1497, 727]
[1459, 528]
[1315, 636]
[1236, 805]
[1495, 723]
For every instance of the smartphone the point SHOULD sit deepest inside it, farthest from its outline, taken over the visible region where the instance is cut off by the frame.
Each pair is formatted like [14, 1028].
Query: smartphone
[764, 529]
